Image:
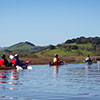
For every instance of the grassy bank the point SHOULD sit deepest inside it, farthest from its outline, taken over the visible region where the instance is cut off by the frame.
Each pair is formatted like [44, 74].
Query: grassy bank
[35, 59]
[68, 59]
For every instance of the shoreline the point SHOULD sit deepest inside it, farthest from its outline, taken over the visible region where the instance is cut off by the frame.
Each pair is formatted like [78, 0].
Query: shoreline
[40, 60]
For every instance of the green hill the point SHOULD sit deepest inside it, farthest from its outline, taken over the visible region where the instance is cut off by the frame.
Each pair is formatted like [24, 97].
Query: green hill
[75, 47]
[68, 50]
[24, 47]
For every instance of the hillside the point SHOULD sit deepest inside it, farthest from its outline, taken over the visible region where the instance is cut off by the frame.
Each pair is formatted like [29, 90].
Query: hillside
[24, 47]
[75, 47]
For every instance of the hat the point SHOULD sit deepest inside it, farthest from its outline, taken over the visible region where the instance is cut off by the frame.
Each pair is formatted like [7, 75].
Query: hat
[16, 55]
[3, 56]
[11, 57]
[56, 55]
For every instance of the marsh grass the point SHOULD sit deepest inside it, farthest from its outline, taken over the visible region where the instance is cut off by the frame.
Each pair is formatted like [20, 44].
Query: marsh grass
[36, 60]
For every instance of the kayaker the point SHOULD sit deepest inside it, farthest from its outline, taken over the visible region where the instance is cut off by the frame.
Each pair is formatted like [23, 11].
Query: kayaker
[17, 60]
[88, 59]
[13, 61]
[98, 60]
[4, 61]
[56, 59]
[21, 63]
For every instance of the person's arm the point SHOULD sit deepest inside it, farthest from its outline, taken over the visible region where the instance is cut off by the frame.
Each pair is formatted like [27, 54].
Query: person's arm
[6, 62]
[87, 59]
[19, 62]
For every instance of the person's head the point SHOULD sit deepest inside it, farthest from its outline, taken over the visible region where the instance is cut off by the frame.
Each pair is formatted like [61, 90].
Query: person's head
[3, 56]
[88, 55]
[11, 57]
[56, 55]
[16, 56]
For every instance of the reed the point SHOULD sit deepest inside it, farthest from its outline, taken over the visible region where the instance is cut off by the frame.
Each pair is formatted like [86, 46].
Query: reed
[67, 59]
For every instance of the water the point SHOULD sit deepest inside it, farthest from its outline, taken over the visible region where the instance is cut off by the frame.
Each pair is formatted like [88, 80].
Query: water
[67, 82]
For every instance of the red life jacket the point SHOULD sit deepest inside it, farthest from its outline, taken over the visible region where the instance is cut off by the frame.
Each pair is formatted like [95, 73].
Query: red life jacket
[2, 62]
[14, 61]
[58, 61]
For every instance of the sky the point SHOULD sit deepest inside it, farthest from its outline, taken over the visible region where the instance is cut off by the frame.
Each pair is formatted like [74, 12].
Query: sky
[45, 22]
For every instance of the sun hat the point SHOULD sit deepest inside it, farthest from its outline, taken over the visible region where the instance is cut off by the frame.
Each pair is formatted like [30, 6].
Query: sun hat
[11, 56]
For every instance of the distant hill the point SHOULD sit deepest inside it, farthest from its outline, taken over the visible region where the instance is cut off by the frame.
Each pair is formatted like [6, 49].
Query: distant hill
[75, 47]
[83, 40]
[2, 48]
[25, 47]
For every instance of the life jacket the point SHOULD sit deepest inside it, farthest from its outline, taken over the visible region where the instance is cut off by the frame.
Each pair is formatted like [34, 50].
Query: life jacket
[14, 62]
[2, 62]
[88, 59]
[56, 60]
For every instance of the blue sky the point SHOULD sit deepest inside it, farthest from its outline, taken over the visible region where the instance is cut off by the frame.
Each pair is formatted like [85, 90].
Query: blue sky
[45, 22]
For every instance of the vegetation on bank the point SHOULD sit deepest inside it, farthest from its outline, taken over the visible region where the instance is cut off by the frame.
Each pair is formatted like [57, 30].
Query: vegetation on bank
[74, 50]
[68, 50]
[75, 47]
[36, 60]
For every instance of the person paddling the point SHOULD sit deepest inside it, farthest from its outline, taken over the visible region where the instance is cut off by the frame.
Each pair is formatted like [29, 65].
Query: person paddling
[56, 60]
[4, 61]
[13, 61]
[88, 59]
[18, 62]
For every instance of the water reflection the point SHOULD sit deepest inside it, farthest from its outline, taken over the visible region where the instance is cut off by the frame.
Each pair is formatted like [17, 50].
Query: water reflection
[13, 98]
[98, 64]
[2, 96]
[2, 76]
[14, 79]
[87, 66]
[73, 80]
[55, 70]
[2, 80]
[14, 74]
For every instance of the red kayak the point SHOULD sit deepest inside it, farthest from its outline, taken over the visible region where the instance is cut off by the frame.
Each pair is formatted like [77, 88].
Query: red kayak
[57, 64]
[25, 65]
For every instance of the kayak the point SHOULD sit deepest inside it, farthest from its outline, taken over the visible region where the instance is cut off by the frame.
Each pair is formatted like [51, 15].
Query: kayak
[89, 63]
[6, 68]
[25, 66]
[57, 64]
[15, 67]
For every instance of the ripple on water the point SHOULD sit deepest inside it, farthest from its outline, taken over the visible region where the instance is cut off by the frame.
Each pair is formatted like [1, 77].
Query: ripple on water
[68, 82]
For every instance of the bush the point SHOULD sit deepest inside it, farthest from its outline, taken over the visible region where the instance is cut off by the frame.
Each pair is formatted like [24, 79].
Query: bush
[51, 47]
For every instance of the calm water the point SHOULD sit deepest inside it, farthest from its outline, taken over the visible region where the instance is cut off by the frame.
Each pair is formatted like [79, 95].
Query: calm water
[67, 82]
